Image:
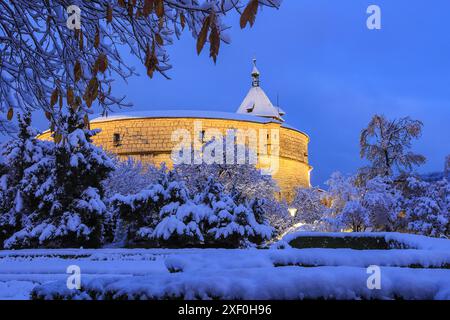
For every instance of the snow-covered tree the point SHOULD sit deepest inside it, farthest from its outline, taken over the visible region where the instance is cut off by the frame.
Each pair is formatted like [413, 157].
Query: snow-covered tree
[386, 145]
[20, 157]
[131, 176]
[71, 212]
[382, 199]
[427, 207]
[242, 180]
[341, 189]
[48, 56]
[277, 214]
[346, 210]
[354, 216]
[309, 205]
[137, 215]
[233, 225]
[180, 219]
[166, 215]
[262, 230]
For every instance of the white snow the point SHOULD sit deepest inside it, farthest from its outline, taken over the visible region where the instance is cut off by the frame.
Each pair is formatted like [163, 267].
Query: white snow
[257, 103]
[420, 273]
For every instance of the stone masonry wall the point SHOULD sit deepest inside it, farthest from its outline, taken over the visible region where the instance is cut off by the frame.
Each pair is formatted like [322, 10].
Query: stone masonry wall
[150, 140]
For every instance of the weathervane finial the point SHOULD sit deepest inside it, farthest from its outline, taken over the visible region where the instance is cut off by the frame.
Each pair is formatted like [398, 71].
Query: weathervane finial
[255, 74]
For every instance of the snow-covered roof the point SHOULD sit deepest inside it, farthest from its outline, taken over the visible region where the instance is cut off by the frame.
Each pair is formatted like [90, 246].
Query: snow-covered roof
[200, 114]
[184, 114]
[257, 103]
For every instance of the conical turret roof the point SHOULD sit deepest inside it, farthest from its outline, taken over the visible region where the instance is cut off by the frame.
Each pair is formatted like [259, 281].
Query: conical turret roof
[256, 102]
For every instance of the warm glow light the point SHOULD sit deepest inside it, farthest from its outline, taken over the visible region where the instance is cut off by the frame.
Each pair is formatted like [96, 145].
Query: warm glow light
[292, 211]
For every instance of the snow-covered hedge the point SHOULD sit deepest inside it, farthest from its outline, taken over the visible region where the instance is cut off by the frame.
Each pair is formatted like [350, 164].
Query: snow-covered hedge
[283, 283]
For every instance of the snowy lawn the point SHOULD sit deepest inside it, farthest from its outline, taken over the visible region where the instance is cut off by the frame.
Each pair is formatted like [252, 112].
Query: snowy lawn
[419, 272]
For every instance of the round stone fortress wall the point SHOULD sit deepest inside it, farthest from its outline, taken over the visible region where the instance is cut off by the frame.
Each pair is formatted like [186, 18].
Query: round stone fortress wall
[149, 139]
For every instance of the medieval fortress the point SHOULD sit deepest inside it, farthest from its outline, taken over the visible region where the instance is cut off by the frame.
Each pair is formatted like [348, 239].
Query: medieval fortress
[155, 136]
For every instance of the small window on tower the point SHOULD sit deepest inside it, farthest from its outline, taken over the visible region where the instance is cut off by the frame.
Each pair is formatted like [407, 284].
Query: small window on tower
[116, 139]
[202, 136]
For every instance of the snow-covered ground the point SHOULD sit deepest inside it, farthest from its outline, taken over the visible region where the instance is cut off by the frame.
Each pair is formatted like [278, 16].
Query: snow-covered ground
[418, 273]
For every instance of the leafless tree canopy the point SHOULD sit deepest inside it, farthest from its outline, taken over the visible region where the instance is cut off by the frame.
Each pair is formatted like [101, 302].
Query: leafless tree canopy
[387, 143]
[46, 65]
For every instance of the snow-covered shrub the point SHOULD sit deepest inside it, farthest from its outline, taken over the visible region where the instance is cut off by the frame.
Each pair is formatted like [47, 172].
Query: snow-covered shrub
[138, 214]
[180, 219]
[309, 204]
[232, 225]
[427, 207]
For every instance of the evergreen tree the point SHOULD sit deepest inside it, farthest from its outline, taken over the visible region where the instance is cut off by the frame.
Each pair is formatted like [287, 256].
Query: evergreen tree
[69, 211]
[20, 156]
[262, 230]
[139, 214]
[180, 218]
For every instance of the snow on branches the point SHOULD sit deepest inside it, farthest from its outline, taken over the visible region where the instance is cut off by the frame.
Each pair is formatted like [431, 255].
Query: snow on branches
[165, 214]
[44, 64]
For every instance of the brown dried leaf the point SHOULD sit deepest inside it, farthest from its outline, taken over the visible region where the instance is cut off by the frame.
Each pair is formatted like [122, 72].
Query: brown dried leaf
[203, 34]
[182, 20]
[81, 41]
[57, 137]
[91, 92]
[159, 7]
[10, 114]
[148, 7]
[151, 61]
[249, 14]
[109, 14]
[70, 99]
[86, 121]
[54, 97]
[159, 39]
[77, 102]
[97, 38]
[214, 41]
[78, 73]
[102, 62]
[130, 9]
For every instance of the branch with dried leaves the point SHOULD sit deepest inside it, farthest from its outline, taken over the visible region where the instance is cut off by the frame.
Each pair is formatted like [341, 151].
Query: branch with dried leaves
[45, 65]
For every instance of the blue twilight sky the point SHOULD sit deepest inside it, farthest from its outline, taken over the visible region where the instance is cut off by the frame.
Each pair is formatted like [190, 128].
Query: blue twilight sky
[330, 72]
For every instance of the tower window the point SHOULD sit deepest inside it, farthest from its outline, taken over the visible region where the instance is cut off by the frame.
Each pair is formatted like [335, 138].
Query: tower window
[202, 136]
[116, 139]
